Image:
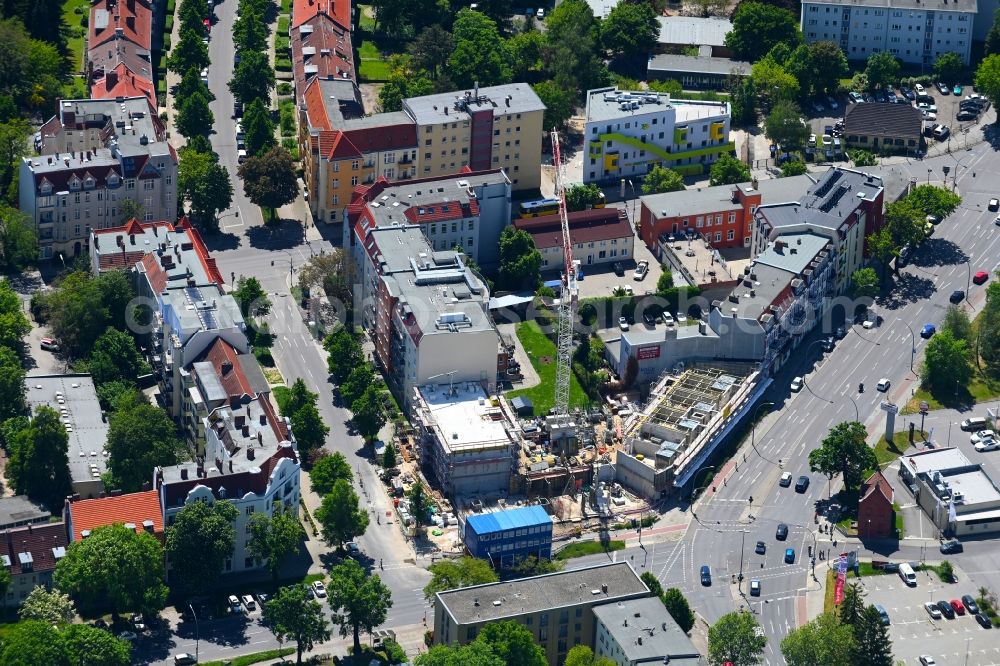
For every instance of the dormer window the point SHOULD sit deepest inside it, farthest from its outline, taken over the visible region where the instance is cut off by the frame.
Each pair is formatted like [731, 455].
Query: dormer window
[113, 179]
[27, 561]
[46, 188]
[89, 183]
[74, 184]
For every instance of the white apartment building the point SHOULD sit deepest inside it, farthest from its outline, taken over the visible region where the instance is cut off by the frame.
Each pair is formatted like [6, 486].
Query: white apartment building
[97, 153]
[915, 31]
[628, 133]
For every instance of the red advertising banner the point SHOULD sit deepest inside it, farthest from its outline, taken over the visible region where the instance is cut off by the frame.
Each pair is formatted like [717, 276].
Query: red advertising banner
[838, 589]
[644, 353]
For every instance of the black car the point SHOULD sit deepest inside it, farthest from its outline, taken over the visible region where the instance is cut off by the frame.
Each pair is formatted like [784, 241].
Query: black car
[907, 93]
[970, 604]
[619, 268]
[984, 621]
[706, 575]
[761, 548]
[972, 105]
[782, 532]
[952, 546]
[957, 296]
[802, 484]
[942, 88]
[966, 115]
[880, 96]
[649, 318]
[946, 609]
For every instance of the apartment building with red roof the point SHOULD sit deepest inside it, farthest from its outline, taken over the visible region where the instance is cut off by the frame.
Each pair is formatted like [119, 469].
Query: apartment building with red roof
[600, 236]
[123, 82]
[119, 32]
[340, 11]
[321, 49]
[139, 511]
[30, 555]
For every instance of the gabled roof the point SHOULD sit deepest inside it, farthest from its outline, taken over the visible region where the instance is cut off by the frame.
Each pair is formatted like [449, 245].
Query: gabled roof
[321, 48]
[225, 361]
[586, 226]
[34, 549]
[129, 19]
[883, 120]
[338, 10]
[123, 82]
[130, 508]
[877, 483]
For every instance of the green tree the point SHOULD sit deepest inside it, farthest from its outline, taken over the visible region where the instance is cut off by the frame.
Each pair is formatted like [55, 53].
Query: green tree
[309, 429]
[37, 459]
[513, 642]
[33, 643]
[194, 117]
[49, 606]
[905, 223]
[87, 645]
[340, 516]
[520, 261]
[742, 99]
[447, 574]
[829, 66]
[793, 168]
[784, 125]
[475, 653]
[141, 437]
[630, 30]
[947, 365]
[882, 70]
[360, 601]
[77, 314]
[773, 81]
[582, 197]
[253, 78]
[662, 179]
[12, 386]
[525, 50]
[189, 53]
[844, 451]
[933, 200]
[956, 321]
[206, 185]
[864, 283]
[727, 170]
[882, 247]
[572, 53]
[582, 655]
[269, 180]
[13, 322]
[258, 128]
[115, 567]
[250, 31]
[198, 544]
[560, 103]
[852, 607]
[420, 503]
[116, 358]
[273, 538]
[190, 84]
[431, 48]
[863, 158]
[871, 638]
[652, 582]
[251, 298]
[389, 456]
[758, 27]
[948, 67]
[679, 609]
[361, 377]
[824, 640]
[369, 412]
[734, 638]
[992, 45]
[18, 242]
[664, 283]
[13, 146]
[344, 353]
[480, 54]
[404, 81]
[293, 616]
[327, 471]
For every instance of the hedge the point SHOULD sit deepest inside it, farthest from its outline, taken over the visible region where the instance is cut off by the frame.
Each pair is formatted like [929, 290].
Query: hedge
[282, 25]
[282, 64]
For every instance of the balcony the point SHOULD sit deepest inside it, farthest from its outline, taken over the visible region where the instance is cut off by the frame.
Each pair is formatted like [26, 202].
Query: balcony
[406, 159]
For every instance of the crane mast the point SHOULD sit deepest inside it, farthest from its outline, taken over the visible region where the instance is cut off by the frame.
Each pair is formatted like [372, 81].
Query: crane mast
[567, 300]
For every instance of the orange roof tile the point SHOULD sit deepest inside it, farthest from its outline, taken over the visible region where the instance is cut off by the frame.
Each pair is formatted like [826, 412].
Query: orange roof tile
[123, 82]
[225, 360]
[338, 10]
[133, 17]
[132, 508]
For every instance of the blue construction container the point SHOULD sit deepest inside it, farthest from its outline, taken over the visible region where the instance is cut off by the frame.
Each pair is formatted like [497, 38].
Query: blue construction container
[504, 537]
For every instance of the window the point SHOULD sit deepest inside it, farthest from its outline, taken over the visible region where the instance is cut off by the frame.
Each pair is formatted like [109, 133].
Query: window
[247, 562]
[335, 199]
[248, 511]
[730, 234]
[354, 180]
[147, 184]
[130, 184]
[355, 164]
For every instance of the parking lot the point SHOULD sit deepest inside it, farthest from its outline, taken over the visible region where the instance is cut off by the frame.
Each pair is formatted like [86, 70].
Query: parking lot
[914, 632]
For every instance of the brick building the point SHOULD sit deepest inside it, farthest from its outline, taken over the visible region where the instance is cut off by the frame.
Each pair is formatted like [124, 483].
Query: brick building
[876, 517]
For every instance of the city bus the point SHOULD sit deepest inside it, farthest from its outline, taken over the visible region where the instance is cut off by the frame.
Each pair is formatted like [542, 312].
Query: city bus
[539, 208]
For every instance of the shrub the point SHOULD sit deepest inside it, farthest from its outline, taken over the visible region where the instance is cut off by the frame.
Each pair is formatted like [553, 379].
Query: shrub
[282, 64]
[84, 21]
[290, 144]
[282, 25]
[284, 88]
[168, 26]
[166, 42]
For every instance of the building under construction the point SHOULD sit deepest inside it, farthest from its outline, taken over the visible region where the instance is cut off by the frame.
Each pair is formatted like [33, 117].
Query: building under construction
[687, 415]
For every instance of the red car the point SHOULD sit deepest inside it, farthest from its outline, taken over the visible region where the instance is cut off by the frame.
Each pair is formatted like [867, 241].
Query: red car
[958, 606]
[980, 277]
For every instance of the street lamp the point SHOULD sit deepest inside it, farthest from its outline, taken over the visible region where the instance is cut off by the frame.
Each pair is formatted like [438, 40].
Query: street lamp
[753, 427]
[197, 632]
[913, 343]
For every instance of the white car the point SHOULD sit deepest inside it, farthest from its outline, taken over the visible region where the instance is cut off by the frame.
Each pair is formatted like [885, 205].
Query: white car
[234, 604]
[681, 319]
[985, 445]
[932, 610]
[812, 139]
[796, 384]
[640, 270]
[982, 435]
[785, 480]
[927, 660]
[319, 589]
[883, 385]
[919, 88]
[994, 204]
[623, 323]
[827, 140]
[868, 324]
[628, 290]
[930, 117]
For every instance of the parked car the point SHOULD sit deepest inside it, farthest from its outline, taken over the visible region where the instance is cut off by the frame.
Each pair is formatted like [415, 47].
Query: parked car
[980, 277]
[856, 97]
[785, 480]
[649, 318]
[880, 96]
[761, 548]
[319, 589]
[942, 132]
[981, 435]
[782, 532]
[883, 613]
[958, 607]
[970, 604]
[984, 621]
[184, 659]
[946, 609]
[49, 344]
[832, 103]
[927, 660]
[932, 610]
[942, 88]
[352, 548]
[973, 424]
[927, 331]
[796, 384]
[619, 268]
[128, 636]
[623, 323]
[754, 587]
[965, 115]
[956, 90]
[951, 546]
[249, 602]
[234, 604]
[907, 93]
[994, 204]
[641, 269]
[706, 575]
[986, 445]
[957, 296]
[137, 622]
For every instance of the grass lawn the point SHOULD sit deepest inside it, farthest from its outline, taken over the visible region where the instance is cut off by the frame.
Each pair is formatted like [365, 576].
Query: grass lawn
[581, 548]
[542, 353]
[374, 66]
[254, 658]
[74, 31]
[281, 395]
[366, 18]
[886, 452]
[980, 389]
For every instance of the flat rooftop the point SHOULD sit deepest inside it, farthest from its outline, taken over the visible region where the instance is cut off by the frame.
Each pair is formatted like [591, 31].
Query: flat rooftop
[753, 302]
[693, 30]
[19, 510]
[974, 484]
[697, 65]
[202, 307]
[645, 631]
[935, 460]
[706, 263]
[450, 107]
[508, 519]
[598, 584]
[604, 104]
[940, 5]
[792, 252]
[442, 199]
[463, 416]
[74, 397]
[131, 122]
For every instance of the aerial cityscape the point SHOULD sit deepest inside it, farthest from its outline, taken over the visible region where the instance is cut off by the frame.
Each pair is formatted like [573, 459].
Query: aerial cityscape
[590, 333]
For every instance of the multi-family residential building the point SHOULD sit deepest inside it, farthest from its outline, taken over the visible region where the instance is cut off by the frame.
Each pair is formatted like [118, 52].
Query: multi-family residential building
[320, 39]
[678, 34]
[696, 72]
[467, 210]
[139, 511]
[558, 608]
[915, 31]
[120, 35]
[30, 555]
[642, 631]
[845, 206]
[628, 133]
[426, 310]
[600, 236]
[437, 135]
[96, 154]
[74, 397]
[20, 510]
[123, 82]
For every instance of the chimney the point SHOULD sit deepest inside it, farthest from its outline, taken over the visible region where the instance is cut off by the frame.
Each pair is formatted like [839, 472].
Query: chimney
[260, 438]
[111, 79]
[246, 431]
[263, 419]
[250, 453]
[753, 183]
[230, 465]
[239, 421]
[475, 94]
[184, 473]
[131, 239]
